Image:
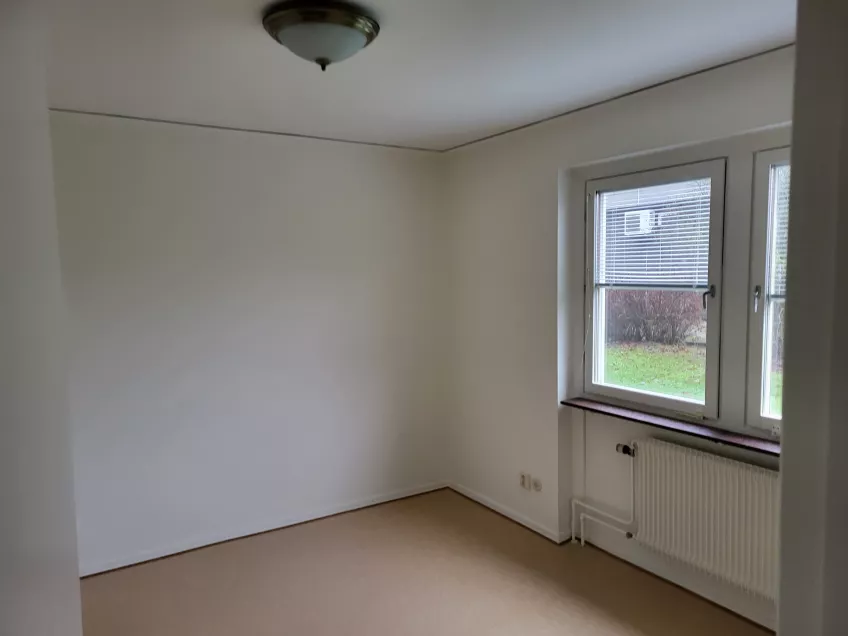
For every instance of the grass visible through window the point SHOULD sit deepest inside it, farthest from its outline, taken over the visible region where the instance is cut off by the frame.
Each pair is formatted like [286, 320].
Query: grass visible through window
[776, 394]
[675, 370]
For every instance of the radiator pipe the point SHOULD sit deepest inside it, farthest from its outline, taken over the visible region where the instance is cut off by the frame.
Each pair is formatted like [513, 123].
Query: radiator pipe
[584, 516]
[630, 451]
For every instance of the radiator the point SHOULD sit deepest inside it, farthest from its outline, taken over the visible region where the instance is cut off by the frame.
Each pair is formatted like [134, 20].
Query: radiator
[714, 513]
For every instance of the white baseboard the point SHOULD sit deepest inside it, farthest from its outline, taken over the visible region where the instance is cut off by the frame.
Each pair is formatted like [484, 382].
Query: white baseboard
[91, 568]
[525, 521]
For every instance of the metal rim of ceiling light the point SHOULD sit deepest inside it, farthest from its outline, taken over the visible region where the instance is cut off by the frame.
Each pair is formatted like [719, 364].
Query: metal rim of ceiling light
[282, 15]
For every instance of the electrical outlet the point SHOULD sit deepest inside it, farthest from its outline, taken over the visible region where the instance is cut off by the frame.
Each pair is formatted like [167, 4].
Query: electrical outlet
[526, 481]
[537, 484]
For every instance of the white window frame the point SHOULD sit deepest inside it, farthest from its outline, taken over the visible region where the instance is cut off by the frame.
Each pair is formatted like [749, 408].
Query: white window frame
[594, 351]
[759, 306]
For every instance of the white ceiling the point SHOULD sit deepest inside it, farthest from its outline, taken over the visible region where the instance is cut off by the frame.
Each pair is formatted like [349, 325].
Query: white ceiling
[441, 73]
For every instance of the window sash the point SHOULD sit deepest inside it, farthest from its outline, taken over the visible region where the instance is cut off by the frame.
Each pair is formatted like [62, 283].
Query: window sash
[771, 292]
[595, 319]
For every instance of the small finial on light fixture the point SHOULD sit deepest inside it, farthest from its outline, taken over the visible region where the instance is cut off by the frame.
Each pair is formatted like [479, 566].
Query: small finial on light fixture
[321, 32]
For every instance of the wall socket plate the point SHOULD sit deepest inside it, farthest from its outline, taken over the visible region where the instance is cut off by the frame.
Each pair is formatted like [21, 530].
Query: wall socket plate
[526, 481]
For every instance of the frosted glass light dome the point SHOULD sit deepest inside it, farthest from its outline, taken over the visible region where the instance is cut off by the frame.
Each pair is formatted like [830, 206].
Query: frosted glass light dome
[321, 32]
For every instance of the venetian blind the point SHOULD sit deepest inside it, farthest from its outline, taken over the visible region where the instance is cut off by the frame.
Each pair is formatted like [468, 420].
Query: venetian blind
[657, 236]
[779, 229]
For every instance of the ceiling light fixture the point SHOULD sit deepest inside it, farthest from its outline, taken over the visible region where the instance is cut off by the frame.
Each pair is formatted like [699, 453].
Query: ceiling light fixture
[321, 32]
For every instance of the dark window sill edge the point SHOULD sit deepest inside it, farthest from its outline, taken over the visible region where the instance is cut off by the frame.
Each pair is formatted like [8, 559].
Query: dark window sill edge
[703, 431]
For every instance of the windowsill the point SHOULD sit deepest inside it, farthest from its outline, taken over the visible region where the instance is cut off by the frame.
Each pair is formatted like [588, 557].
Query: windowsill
[678, 426]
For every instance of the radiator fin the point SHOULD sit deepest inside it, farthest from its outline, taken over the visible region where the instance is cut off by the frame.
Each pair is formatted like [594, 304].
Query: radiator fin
[714, 513]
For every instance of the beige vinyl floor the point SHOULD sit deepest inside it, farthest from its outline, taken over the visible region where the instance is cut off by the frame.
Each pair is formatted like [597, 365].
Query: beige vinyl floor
[432, 565]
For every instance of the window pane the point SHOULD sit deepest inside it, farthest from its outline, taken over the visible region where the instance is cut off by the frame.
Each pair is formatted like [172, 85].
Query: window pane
[654, 236]
[772, 398]
[652, 248]
[654, 341]
[773, 368]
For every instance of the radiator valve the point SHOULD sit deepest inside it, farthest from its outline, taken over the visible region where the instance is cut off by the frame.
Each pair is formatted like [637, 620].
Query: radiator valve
[624, 449]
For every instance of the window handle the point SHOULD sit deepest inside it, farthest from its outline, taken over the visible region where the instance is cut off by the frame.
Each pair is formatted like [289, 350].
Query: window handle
[711, 292]
[758, 291]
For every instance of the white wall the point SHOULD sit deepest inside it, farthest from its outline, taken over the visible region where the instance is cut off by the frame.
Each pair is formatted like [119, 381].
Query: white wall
[39, 591]
[257, 326]
[515, 318]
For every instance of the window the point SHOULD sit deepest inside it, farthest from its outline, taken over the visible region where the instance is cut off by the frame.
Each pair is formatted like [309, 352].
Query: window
[768, 279]
[656, 240]
[684, 281]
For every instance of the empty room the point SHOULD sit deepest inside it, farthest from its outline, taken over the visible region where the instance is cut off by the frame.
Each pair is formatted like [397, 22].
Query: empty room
[406, 317]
